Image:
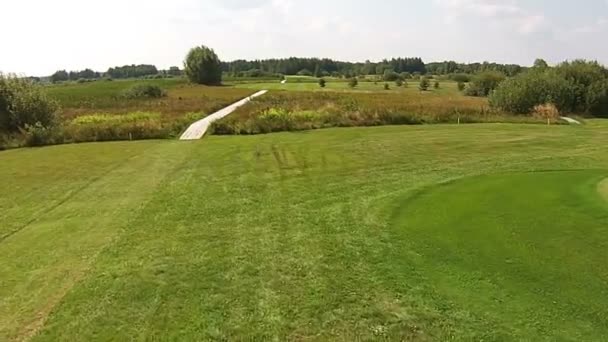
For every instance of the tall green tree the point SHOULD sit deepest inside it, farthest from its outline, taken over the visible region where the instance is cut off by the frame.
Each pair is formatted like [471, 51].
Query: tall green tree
[202, 66]
[60, 76]
[540, 63]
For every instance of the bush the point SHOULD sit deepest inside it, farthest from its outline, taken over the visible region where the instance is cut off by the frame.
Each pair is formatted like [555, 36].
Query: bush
[597, 99]
[353, 82]
[576, 87]
[424, 84]
[587, 81]
[405, 75]
[202, 66]
[484, 83]
[436, 85]
[547, 111]
[144, 91]
[386, 86]
[461, 86]
[322, 83]
[464, 78]
[23, 103]
[390, 76]
[39, 135]
[399, 83]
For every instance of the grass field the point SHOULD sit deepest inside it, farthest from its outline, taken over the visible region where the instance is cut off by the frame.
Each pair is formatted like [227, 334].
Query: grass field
[104, 97]
[341, 85]
[303, 110]
[442, 232]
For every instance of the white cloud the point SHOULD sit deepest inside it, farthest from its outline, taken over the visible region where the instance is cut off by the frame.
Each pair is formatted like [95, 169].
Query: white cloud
[532, 23]
[600, 25]
[506, 12]
[486, 8]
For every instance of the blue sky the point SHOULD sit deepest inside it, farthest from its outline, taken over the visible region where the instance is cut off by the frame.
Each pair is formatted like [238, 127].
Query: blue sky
[75, 34]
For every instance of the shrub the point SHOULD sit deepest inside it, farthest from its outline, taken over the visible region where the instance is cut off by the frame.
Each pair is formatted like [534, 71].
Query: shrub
[587, 80]
[390, 76]
[353, 82]
[464, 78]
[461, 86]
[322, 83]
[578, 87]
[484, 83]
[405, 75]
[386, 86]
[24, 103]
[202, 66]
[143, 91]
[424, 84]
[547, 111]
[399, 83]
[39, 135]
[436, 85]
[597, 99]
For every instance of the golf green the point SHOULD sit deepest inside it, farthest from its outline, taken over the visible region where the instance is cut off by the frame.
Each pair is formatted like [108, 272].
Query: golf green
[524, 247]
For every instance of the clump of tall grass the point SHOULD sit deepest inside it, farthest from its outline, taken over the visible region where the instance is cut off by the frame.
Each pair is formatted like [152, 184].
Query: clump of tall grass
[101, 127]
[294, 111]
[94, 119]
[144, 91]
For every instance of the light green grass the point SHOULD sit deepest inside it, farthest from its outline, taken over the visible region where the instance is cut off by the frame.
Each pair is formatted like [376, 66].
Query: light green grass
[292, 236]
[446, 87]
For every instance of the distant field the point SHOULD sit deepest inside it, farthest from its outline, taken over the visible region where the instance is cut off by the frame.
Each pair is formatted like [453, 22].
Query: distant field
[299, 104]
[302, 110]
[104, 97]
[424, 233]
[446, 87]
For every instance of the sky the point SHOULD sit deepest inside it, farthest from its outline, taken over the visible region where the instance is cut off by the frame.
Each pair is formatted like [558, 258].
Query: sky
[41, 36]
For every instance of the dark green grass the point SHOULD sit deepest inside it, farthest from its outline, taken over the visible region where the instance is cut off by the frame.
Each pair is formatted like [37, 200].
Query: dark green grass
[524, 248]
[287, 236]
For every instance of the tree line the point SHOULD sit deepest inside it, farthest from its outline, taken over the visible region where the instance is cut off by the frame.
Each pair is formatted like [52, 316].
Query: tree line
[320, 67]
[451, 67]
[323, 67]
[126, 71]
[317, 67]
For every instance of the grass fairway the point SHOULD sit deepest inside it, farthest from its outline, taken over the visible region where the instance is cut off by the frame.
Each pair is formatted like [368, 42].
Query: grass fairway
[295, 236]
[524, 248]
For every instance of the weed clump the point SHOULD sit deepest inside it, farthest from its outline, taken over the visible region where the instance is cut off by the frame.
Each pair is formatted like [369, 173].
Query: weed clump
[144, 91]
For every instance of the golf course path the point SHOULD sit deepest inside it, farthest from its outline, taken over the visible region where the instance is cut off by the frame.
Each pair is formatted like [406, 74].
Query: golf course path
[570, 120]
[198, 129]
